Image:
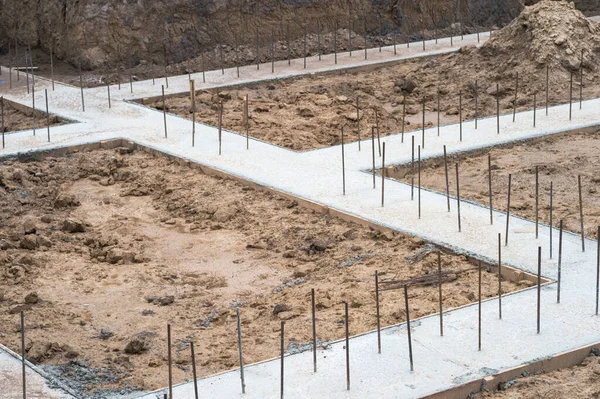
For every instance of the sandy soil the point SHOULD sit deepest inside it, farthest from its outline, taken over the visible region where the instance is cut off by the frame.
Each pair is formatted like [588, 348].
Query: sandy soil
[129, 243]
[578, 382]
[559, 160]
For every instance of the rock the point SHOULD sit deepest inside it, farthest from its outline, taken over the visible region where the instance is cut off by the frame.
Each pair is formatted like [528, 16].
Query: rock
[280, 308]
[492, 90]
[140, 343]
[106, 333]
[44, 241]
[19, 308]
[72, 226]
[350, 234]
[165, 301]
[114, 255]
[289, 254]
[64, 201]
[306, 113]
[319, 245]
[32, 298]
[38, 351]
[29, 242]
[29, 226]
[147, 312]
[407, 85]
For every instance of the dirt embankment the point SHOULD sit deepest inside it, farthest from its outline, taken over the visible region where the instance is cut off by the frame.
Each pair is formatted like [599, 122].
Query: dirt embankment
[103, 249]
[96, 33]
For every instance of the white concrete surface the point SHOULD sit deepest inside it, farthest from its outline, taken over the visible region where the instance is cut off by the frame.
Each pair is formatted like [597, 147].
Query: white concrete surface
[11, 382]
[440, 363]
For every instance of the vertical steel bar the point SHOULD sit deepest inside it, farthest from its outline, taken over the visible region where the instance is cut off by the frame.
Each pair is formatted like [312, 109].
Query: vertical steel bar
[383, 173]
[490, 188]
[581, 214]
[560, 235]
[240, 348]
[373, 151]
[164, 109]
[537, 202]
[447, 179]
[551, 212]
[419, 177]
[344, 165]
[439, 259]
[479, 310]
[516, 95]
[410, 352]
[347, 346]
[539, 288]
[282, 349]
[500, 276]
[169, 361]
[508, 210]
[458, 198]
[23, 377]
[377, 312]
[195, 376]
[314, 328]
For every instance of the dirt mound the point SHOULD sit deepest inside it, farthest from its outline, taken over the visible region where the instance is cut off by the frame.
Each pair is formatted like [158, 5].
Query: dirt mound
[550, 32]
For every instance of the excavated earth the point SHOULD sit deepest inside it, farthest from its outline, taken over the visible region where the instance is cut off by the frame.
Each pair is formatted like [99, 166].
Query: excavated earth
[103, 249]
[559, 160]
[308, 113]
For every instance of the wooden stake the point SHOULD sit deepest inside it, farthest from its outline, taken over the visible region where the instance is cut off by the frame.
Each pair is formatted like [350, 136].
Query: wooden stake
[458, 197]
[439, 258]
[508, 210]
[447, 180]
[581, 214]
[347, 347]
[410, 353]
[194, 370]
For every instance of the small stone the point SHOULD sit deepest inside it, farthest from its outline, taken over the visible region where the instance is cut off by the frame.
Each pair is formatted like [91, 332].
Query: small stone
[29, 226]
[72, 226]
[280, 308]
[32, 298]
[29, 242]
[106, 333]
[525, 283]
[166, 300]
[306, 113]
